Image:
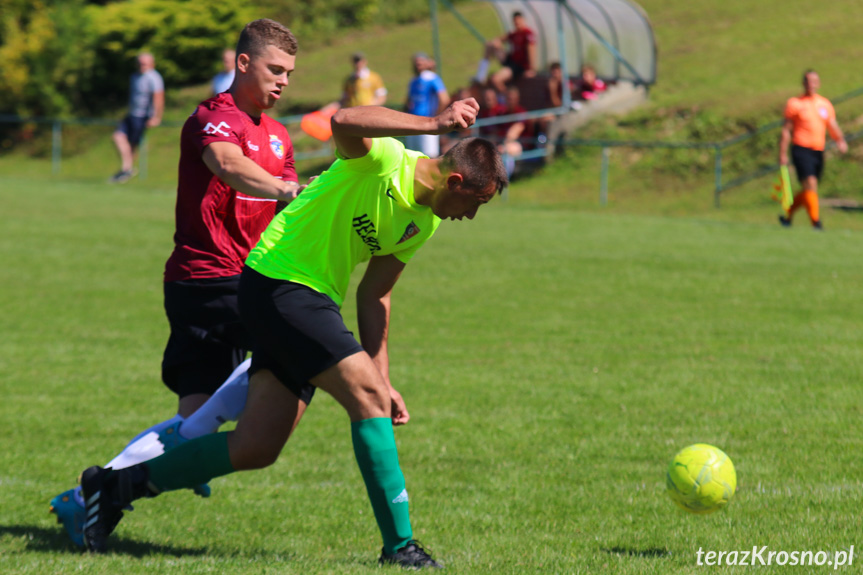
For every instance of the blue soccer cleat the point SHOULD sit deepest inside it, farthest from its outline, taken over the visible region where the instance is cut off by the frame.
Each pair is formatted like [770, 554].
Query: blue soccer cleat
[171, 438]
[71, 515]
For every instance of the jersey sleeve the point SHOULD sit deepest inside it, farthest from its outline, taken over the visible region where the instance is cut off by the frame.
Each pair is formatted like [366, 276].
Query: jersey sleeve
[438, 84]
[207, 126]
[157, 83]
[790, 109]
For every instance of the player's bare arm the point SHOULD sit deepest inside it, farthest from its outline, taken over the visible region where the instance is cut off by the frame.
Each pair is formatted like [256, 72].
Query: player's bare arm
[837, 135]
[158, 109]
[227, 162]
[354, 128]
[373, 319]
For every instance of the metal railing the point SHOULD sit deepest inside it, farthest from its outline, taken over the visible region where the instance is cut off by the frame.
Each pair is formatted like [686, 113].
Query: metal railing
[540, 151]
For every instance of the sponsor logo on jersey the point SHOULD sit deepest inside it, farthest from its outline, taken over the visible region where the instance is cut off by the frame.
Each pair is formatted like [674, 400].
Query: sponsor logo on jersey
[410, 232]
[365, 228]
[277, 146]
[212, 130]
[253, 147]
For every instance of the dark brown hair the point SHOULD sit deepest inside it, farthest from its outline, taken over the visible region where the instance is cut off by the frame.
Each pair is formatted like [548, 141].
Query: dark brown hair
[478, 162]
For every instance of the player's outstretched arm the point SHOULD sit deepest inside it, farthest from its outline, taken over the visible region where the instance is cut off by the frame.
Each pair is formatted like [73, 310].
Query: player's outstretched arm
[227, 162]
[354, 128]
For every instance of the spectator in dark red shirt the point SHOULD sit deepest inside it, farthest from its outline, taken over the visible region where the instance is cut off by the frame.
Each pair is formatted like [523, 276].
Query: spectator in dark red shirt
[520, 60]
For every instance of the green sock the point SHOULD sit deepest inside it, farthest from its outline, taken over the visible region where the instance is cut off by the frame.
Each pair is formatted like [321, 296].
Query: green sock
[195, 462]
[375, 449]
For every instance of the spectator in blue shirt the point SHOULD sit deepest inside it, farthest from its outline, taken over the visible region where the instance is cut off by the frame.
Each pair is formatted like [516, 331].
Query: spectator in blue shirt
[427, 96]
[223, 80]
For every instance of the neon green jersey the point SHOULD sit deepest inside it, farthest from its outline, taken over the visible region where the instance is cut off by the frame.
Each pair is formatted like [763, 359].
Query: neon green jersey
[357, 209]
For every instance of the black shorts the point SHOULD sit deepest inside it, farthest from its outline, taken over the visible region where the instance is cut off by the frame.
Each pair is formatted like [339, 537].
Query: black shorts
[517, 69]
[134, 128]
[208, 340]
[298, 332]
[807, 162]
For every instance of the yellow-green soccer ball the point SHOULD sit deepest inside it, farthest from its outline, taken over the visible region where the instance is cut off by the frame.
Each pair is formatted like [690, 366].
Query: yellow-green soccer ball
[701, 479]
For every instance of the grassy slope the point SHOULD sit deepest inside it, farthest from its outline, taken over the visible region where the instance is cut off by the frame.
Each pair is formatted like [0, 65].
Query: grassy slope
[733, 63]
[553, 362]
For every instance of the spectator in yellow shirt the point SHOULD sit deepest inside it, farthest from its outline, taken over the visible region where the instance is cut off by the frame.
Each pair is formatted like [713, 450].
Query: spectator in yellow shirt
[363, 87]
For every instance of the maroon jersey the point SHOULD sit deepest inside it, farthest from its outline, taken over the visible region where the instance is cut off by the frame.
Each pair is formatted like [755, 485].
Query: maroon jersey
[519, 39]
[217, 226]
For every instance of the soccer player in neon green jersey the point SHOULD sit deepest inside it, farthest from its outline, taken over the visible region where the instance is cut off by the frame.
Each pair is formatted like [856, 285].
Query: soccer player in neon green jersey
[378, 203]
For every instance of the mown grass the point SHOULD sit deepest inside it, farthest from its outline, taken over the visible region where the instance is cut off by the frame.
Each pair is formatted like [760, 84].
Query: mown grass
[553, 360]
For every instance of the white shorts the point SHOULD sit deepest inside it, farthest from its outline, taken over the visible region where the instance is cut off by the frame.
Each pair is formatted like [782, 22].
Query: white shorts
[426, 143]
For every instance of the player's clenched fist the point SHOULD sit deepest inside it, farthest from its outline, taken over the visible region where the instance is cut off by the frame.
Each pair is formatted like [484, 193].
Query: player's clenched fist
[458, 115]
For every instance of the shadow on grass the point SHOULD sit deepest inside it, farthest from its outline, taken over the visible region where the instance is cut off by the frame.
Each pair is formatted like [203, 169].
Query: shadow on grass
[651, 553]
[40, 539]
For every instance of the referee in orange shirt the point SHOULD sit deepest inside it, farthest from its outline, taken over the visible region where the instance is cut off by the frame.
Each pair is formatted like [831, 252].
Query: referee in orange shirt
[807, 120]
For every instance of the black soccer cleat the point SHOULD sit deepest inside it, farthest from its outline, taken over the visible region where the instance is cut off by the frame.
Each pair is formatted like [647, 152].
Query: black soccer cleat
[106, 493]
[101, 513]
[411, 556]
[785, 222]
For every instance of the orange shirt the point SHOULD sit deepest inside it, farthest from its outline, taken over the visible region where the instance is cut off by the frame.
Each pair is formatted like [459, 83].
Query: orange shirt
[810, 116]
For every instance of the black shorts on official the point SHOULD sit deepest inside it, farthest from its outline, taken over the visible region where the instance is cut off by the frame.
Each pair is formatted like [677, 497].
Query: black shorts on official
[208, 340]
[298, 332]
[807, 162]
[134, 128]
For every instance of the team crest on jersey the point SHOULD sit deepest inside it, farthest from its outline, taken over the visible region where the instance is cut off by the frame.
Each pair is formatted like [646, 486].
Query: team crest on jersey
[823, 112]
[410, 232]
[277, 146]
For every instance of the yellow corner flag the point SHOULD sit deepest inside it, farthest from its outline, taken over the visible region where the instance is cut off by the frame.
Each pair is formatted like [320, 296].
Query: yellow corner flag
[782, 189]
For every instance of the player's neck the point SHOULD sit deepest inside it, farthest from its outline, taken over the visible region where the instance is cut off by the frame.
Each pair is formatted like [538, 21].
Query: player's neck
[427, 177]
[246, 105]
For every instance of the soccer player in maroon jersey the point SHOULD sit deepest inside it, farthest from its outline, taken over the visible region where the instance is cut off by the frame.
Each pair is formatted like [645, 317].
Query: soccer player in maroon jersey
[236, 163]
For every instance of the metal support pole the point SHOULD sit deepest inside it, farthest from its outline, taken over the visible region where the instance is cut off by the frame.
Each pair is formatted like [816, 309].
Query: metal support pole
[717, 177]
[566, 97]
[56, 146]
[603, 178]
[435, 35]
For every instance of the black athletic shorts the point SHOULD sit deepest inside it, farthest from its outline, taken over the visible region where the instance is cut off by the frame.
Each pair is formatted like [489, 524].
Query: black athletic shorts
[807, 162]
[134, 128]
[208, 340]
[298, 332]
[517, 69]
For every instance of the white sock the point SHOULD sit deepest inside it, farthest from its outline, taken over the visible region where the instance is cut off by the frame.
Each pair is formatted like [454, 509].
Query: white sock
[225, 405]
[144, 446]
[482, 70]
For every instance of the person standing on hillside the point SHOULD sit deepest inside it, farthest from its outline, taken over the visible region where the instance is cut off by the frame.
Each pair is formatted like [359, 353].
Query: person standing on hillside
[223, 80]
[146, 104]
[807, 120]
[363, 87]
[236, 163]
[427, 96]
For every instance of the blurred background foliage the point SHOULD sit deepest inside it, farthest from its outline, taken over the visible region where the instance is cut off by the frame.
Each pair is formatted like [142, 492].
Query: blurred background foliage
[73, 57]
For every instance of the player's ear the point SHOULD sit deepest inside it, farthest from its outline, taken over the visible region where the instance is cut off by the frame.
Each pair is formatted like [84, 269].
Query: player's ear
[454, 180]
[243, 62]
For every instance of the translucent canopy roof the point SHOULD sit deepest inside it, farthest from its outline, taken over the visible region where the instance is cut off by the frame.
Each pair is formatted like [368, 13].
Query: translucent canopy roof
[614, 36]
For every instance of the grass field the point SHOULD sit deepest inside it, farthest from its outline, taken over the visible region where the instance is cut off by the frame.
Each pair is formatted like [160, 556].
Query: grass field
[553, 360]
